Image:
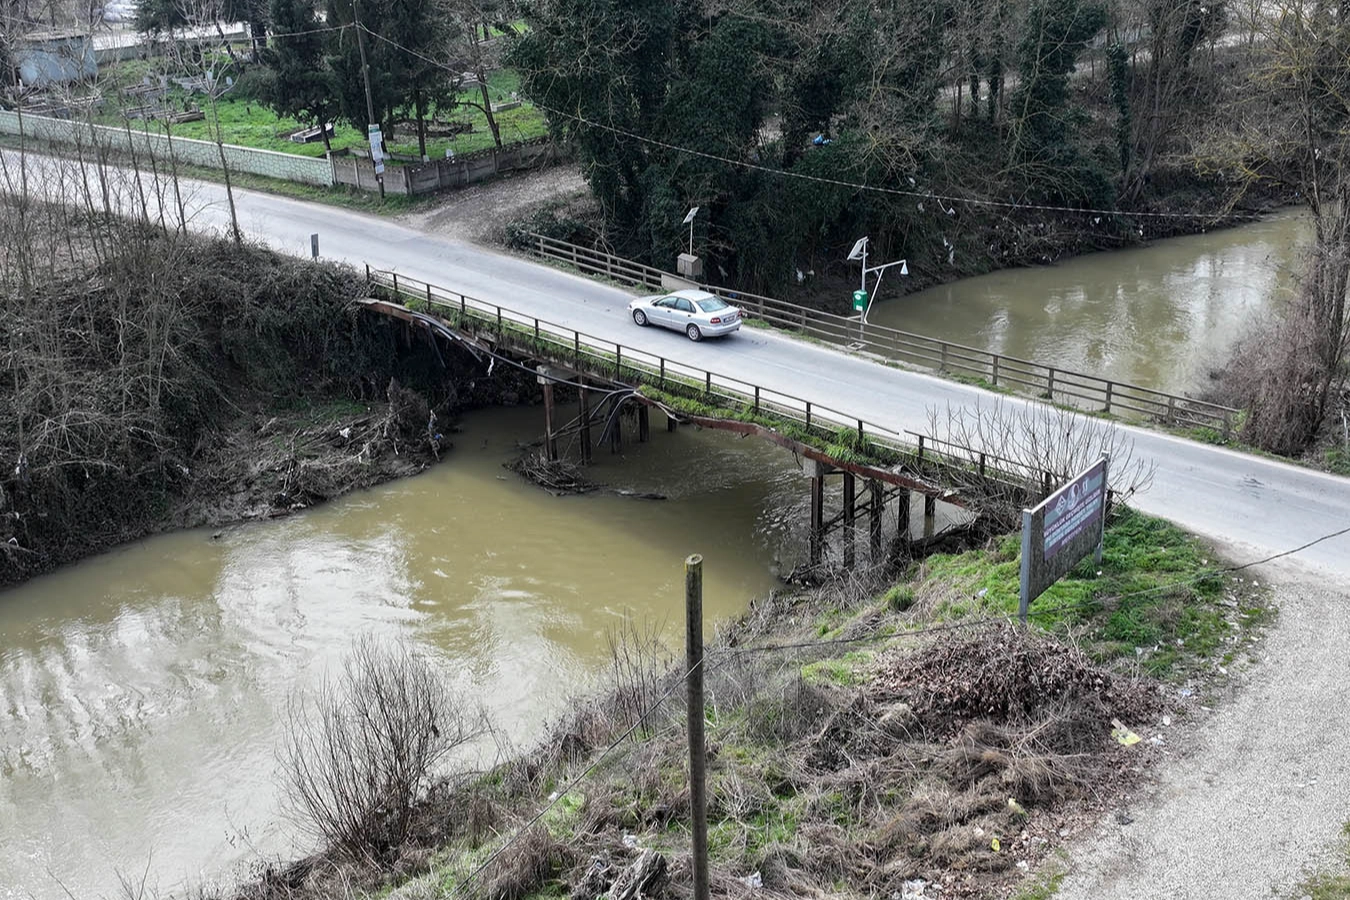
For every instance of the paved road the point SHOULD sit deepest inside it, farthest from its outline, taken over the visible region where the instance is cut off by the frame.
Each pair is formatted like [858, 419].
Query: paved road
[1256, 505]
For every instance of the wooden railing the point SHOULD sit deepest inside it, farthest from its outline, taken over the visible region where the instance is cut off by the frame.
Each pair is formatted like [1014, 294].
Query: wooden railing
[629, 365]
[1052, 383]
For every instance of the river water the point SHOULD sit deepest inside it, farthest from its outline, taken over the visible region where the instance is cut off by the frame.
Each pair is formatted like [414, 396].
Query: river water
[1161, 316]
[140, 691]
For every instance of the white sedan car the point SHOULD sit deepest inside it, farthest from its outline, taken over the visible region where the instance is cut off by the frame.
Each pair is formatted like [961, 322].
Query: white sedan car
[698, 314]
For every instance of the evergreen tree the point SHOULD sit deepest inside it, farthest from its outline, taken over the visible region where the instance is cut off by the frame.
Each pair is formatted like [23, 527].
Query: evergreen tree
[301, 84]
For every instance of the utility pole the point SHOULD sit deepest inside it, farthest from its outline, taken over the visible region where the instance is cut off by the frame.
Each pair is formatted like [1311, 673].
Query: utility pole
[370, 104]
[698, 795]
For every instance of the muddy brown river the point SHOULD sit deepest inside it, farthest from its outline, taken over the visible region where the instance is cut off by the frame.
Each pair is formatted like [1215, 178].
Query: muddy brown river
[141, 691]
[1162, 316]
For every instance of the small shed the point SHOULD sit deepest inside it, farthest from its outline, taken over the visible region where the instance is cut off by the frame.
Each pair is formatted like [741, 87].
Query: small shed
[43, 58]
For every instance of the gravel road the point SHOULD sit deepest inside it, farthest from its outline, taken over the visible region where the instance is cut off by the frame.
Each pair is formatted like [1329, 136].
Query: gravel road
[1262, 793]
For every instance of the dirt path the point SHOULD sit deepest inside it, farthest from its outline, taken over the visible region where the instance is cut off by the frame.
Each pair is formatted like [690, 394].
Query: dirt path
[478, 213]
[1263, 794]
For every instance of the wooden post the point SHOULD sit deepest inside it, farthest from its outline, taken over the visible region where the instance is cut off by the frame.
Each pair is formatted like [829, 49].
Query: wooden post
[850, 498]
[644, 424]
[929, 506]
[671, 422]
[903, 515]
[1109, 386]
[550, 438]
[1050, 385]
[698, 796]
[584, 404]
[616, 432]
[994, 380]
[817, 514]
[878, 503]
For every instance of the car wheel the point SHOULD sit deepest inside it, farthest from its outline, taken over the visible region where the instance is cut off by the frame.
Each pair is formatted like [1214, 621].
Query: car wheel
[640, 317]
[694, 333]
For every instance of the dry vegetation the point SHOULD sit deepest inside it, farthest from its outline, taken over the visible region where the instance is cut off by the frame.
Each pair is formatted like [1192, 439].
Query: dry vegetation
[150, 379]
[871, 762]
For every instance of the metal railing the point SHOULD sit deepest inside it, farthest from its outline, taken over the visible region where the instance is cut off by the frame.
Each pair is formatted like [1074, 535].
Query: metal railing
[629, 365]
[1088, 392]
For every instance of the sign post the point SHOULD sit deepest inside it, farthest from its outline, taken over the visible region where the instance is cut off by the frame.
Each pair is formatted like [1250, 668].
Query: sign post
[1061, 530]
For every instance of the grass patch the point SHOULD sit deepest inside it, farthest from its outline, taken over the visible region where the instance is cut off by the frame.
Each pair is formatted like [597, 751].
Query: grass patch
[1156, 595]
[1337, 461]
[249, 123]
[1331, 885]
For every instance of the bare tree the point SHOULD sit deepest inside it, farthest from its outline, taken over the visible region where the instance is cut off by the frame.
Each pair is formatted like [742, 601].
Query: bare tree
[360, 754]
[1029, 441]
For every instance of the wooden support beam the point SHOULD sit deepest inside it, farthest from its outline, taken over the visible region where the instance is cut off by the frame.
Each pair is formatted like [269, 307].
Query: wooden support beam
[550, 436]
[584, 424]
[644, 424]
[616, 429]
[671, 422]
[929, 506]
[903, 514]
[850, 518]
[877, 495]
[817, 514]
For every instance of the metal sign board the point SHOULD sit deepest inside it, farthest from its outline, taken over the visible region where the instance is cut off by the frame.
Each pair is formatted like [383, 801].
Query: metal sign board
[859, 248]
[860, 300]
[1061, 530]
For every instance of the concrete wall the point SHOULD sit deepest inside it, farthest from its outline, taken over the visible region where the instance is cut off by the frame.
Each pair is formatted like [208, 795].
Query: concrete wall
[303, 169]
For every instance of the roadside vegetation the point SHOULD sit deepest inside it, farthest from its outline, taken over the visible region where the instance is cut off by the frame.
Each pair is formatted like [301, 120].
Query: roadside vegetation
[883, 733]
[152, 379]
[1335, 883]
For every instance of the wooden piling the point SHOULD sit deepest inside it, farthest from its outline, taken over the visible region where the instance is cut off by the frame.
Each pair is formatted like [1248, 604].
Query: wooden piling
[584, 408]
[698, 795]
[877, 497]
[817, 543]
[850, 518]
[644, 424]
[550, 436]
[903, 513]
[671, 422]
[616, 425]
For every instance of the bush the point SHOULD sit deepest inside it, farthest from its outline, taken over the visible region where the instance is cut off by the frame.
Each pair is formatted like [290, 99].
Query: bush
[361, 754]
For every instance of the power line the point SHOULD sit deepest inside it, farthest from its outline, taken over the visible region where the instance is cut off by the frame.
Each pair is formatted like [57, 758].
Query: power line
[836, 182]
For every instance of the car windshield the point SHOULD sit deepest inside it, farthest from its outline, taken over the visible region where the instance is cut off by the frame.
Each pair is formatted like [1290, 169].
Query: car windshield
[712, 304]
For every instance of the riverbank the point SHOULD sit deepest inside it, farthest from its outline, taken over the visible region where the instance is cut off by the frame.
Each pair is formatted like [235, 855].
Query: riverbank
[158, 381]
[881, 734]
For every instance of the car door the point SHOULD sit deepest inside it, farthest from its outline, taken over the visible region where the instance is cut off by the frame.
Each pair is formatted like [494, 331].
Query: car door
[661, 311]
[683, 314]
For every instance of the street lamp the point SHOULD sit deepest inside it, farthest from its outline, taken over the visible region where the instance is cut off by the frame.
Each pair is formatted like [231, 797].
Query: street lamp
[862, 300]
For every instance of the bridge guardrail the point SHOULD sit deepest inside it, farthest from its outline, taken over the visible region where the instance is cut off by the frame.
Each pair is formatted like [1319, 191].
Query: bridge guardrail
[1089, 392]
[570, 346]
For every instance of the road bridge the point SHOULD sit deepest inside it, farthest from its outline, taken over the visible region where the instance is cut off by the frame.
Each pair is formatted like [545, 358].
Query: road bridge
[1254, 505]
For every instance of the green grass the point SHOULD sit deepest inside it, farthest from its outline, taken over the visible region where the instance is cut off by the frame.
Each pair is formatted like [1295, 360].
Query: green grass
[251, 124]
[1045, 883]
[1337, 461]
[844, 671]
[1331, 885]
[1156, 586]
